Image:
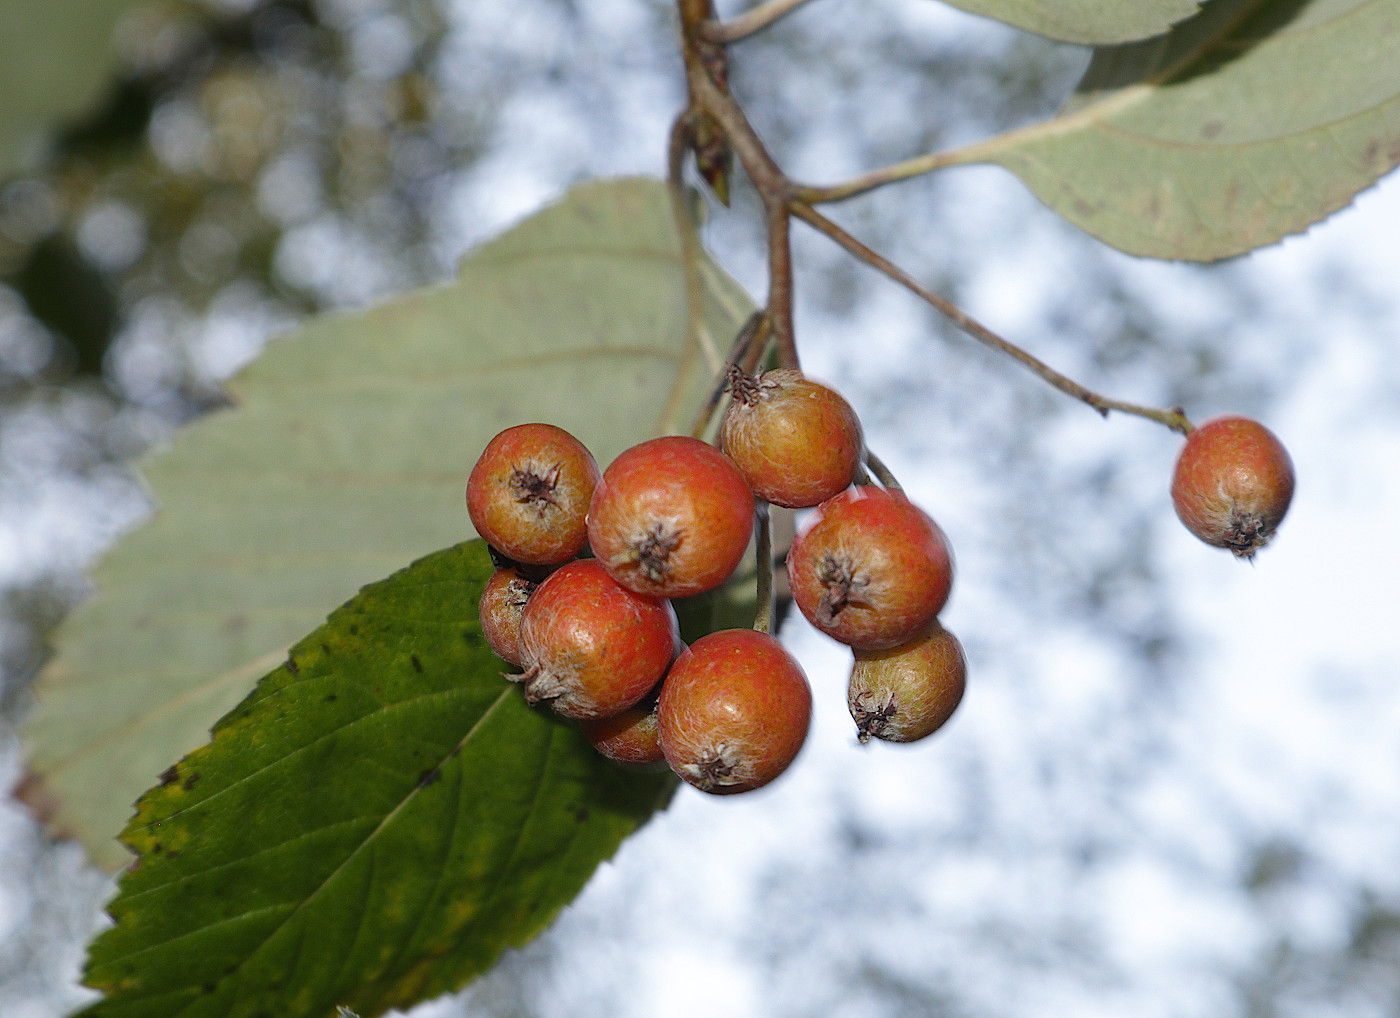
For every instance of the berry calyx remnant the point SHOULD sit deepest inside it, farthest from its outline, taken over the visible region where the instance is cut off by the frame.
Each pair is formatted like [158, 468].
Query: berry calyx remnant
[1232, 484]
[908, 692]
[871, 569]
[734, 711]
[671, 517]
[503, 601]
[590, 647]
[528, 493]
[797, 442]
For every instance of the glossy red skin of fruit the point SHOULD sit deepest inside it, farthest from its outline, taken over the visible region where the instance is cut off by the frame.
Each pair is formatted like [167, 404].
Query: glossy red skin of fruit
[502, 606]
[908, 692]
[797, 442]
[592, 648]
[671, 517]
[1232, 484]
[870, 569]
[632, 737]
[734, 711]
[529, 491]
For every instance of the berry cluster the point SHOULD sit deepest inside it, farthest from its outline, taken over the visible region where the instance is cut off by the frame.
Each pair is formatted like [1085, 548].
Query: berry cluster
[596, 637]
[869, 568]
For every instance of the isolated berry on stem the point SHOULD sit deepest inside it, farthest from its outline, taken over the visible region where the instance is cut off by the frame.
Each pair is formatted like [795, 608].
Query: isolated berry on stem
[870, 569]
[529, 491]
[590, 647]
[734, 711]
[908, 692]
[1232, 484]
[502, 606]
[671, 517]
[797, 442]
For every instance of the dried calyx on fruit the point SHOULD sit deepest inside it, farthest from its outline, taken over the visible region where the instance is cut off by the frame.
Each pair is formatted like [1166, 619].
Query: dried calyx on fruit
[870, 569]
[1232, 484]
[797, 442]
[734, 711]
[908, 692]
[671, 517]
[503, 602]
[528, 494]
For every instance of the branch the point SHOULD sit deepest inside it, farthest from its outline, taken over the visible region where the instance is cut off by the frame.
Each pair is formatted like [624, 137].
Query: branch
[755, 19]
[780, 283]
[1173, 418]
[773, 186]
[893, 174]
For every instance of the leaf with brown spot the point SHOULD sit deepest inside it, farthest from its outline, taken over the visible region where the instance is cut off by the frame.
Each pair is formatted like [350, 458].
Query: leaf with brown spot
[305, 858]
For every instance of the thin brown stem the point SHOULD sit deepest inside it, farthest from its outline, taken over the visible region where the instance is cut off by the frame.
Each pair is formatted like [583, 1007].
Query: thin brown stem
[763, 561]
[755, 19]
[881, 472]
[987, 149]
[893, 174]
[1173, 418]
[780, 283]
[694, 13]
[772, 184]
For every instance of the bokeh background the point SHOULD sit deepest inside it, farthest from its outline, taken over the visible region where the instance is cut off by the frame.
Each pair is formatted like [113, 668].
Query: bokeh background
[1174, 786]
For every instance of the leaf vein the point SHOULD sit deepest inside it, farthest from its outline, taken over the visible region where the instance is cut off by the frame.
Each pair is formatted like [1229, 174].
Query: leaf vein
[306, 747]
[369, 840]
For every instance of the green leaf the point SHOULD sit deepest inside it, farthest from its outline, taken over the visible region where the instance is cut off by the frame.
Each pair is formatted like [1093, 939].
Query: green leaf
[346, 455]
[372, 826]
[1251, 121]
[1090, 22]
[55, 57]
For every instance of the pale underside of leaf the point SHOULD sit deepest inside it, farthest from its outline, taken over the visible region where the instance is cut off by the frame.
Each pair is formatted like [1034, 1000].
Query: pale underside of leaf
[344, 457]
[1088, 22]
[1250, 122]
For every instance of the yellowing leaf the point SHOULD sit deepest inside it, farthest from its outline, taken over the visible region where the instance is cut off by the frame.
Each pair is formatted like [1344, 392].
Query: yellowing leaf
[372, 826]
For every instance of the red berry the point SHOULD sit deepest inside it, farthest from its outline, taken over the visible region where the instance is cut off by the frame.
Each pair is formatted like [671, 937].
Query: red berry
[503, 601]
[1232, 484]
[591, 647]
[528, 493]
[734, 711]
[632, 737]
[671, 517]
[907, 692]
[870, 569]
[797, 442]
